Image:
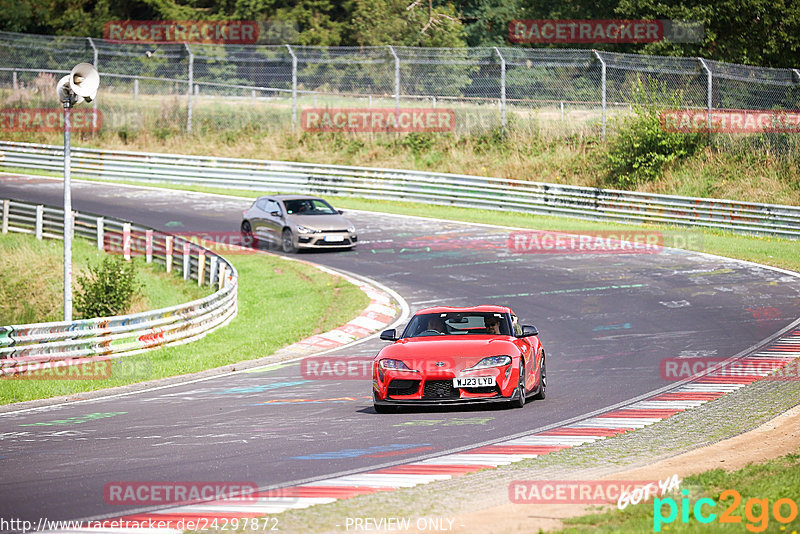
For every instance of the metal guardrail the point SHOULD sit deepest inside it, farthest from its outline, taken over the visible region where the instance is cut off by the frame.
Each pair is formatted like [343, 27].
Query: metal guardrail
[426, 187]
[27, 347]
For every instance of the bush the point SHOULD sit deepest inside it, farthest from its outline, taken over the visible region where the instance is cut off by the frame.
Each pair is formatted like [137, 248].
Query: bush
[642, 147]
[107, 289]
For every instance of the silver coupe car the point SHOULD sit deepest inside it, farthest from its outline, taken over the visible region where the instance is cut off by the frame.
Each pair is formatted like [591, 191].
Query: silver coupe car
[294, 222]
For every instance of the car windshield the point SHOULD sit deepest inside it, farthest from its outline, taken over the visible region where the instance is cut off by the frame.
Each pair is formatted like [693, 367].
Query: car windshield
[308, 206]
[457, 324]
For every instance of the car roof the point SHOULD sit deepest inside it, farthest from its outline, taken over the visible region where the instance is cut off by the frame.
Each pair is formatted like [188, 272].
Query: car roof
[290, 197]
[487, 308]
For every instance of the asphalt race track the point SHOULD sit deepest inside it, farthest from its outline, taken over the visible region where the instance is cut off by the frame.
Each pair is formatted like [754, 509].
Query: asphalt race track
[606, 321]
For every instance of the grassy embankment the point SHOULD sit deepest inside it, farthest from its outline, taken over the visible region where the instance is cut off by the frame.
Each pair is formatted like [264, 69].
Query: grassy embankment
[309, 301]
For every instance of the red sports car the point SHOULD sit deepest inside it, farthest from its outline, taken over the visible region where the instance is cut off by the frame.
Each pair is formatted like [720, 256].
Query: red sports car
[451, 355]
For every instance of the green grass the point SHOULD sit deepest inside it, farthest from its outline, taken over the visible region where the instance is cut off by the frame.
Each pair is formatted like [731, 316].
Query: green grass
[280, 302]
[31, 280]
[767, 482]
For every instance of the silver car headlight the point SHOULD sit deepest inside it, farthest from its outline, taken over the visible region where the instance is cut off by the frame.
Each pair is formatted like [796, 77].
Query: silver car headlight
[491, 361]
[351, 229]
[306, 230]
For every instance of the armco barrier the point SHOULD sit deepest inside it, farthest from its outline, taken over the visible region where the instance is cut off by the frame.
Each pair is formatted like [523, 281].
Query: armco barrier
[25, 347]
[426, 187]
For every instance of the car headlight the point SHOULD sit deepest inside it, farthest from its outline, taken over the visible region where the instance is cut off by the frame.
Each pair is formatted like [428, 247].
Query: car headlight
[306, 230]
[491, 361]
[351, 229]
[394, 364]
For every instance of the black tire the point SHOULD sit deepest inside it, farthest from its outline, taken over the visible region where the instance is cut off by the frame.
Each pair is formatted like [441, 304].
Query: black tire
[541, 391]
[248, 239]
[287, 241]
[519, 402]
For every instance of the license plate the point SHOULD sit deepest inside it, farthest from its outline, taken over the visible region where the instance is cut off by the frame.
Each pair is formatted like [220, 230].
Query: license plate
[473, 381]
[334, 238]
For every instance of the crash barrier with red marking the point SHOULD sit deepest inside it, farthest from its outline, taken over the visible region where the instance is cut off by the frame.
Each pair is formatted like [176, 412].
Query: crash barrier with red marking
[413, 186]
[29, 347]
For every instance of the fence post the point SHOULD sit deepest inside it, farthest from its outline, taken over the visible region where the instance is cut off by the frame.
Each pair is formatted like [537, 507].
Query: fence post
[94, 102]
[6, 207]
[148, 246]
[602, 88]
[39, 221]
[168, 253]
[709, 103]
[100, 233]
[186, 257]
[126, 241]
[189, 89]
[396, 80]
[212, 270]
[14, 81]
[797, 73]
[135, 88]
[294, 85]
[502, 88]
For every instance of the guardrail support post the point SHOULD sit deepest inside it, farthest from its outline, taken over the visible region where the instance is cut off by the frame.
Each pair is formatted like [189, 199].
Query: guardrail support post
[126, 241]
[709, 103]
[148, 246]
[502, 88]
[294, 85]
[201, 267]
[39, 221]
[186, 258]
[6, 207]
[212, 271]
[94, 102]
[189, 89]
[396, 79]
[223, 272]
[168, 253]
[100, 233]
[602, 87]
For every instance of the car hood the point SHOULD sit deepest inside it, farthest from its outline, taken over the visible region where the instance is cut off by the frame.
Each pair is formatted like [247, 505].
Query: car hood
[319, 222]
[455, 352]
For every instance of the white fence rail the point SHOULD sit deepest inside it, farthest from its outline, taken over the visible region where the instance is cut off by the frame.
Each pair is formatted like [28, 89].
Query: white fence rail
[27, 347]
[417, 186]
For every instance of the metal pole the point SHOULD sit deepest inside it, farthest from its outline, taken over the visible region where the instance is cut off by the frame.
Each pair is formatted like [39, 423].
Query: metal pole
[67, 217]
[709, 103]
[189, 90]
[396, 80]
[294, 86]
[603, 88]
[502, 88]
[94, 102]
[797, 73]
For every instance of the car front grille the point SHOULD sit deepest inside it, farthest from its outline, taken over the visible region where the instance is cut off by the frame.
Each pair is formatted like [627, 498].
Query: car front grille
[402, 387]
[440, 389]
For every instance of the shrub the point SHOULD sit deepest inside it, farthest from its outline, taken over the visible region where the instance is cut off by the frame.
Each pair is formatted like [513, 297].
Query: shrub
[642, 148]
[107, 289]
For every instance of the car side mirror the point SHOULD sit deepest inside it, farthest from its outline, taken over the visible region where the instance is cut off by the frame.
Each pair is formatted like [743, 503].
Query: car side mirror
[389, 335]
[276, 214]
[340, 212]
[529, 330]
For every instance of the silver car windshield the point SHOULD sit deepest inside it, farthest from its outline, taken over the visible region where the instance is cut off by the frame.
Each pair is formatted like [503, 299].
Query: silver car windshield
[457, 324]
[309, 206]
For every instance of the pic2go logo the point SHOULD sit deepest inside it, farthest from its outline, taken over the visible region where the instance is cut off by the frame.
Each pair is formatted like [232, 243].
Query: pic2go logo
[756, 511]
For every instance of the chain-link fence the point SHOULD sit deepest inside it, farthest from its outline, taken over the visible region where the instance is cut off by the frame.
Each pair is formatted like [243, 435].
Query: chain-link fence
[200, 88]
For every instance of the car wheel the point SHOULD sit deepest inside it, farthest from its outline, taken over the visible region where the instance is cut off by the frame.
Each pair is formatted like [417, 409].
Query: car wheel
[248, 239]
[519, 402]
[541, 391]
[287, 241]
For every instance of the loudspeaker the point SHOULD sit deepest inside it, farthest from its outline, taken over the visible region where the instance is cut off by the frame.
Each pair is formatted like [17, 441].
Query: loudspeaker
[84, 80]
[62, 89]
